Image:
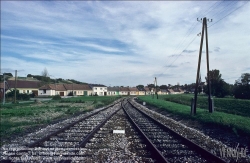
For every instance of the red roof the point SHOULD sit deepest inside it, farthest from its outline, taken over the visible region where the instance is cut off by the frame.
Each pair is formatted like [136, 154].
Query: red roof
[133, 89]
[77, 87]
[65, 87]
[24, 84]
[124, 89]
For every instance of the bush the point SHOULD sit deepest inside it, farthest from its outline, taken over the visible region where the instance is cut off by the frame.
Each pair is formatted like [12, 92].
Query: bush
[32, 95]
[70, 93]
[56, 97]
[19, 96]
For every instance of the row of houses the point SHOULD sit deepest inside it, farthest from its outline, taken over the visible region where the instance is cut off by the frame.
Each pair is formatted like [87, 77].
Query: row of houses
[36, 87]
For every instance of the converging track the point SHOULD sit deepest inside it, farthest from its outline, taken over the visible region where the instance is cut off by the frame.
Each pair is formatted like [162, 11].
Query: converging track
[92, 138]
[167, 145]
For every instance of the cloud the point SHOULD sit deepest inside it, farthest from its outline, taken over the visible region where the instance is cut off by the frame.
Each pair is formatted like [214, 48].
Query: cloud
[204, 51]
[217, 49]
[189, 51]
[172, 66]
[114, 42]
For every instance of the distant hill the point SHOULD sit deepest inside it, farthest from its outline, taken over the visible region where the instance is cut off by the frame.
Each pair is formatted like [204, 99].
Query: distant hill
[58, 80]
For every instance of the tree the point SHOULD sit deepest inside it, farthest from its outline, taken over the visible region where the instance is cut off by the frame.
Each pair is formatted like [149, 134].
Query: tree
[242, 87]
[219, 87]
[164, 87]
[45, 76]
[8, 74]
[140, 86]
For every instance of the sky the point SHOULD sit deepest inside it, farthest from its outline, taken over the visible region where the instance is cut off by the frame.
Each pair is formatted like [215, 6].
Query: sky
[124, 43]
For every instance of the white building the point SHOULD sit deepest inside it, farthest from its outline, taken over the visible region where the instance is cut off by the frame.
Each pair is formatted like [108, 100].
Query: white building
[98, 89]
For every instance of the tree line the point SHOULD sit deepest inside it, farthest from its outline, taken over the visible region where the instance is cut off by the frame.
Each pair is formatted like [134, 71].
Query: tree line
[219, 88]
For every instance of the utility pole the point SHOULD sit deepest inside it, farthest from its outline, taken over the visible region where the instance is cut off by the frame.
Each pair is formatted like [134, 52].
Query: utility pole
[210, 107]
[15, 85]
[156, 88]
[3, 89]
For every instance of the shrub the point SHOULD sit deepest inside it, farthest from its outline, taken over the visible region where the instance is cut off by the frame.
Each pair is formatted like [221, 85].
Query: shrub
[70, 93]
[56, 97]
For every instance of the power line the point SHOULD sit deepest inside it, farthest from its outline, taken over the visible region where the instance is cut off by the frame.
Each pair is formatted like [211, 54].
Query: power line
[192, 28]
[227, 15]
[218, 3]
[224, 8]
[179, 55]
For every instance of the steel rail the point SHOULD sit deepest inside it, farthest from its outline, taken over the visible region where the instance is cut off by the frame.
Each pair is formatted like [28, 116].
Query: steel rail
[205, 153]
[91, 134]
[156, 153]
[34, 144]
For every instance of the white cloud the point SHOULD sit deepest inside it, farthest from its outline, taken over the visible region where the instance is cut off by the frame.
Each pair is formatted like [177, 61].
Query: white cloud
[123, 42]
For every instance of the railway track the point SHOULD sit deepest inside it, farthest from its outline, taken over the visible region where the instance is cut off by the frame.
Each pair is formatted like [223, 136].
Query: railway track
[92, 138]
[167, 145]
[62, 142]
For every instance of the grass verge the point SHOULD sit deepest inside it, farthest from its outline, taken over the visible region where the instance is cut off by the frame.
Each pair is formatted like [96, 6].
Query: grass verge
[238, 124]
[17, 119]
[227, 105]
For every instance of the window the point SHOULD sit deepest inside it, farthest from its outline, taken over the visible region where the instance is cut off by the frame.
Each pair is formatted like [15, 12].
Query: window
[100, 88]
[95, 88]
[44, 91]
[28, 91]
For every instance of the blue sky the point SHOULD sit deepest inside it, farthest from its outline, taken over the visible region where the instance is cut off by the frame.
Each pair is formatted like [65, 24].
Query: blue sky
[124, 43]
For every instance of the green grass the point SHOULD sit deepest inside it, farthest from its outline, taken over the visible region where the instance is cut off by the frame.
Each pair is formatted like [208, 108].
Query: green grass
[238, 124]
[16, 118]
[227, 105]
[98, 100]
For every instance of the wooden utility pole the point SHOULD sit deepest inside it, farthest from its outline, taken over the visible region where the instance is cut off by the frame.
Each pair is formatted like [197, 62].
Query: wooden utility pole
[15, 85]
[210, 107]
[3, 89]
[156, 88]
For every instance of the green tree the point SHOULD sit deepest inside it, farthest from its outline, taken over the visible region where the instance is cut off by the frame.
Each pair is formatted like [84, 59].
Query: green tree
[140, 86]
[242, 87]
[8, 74]
[164, 87]
[219, 87]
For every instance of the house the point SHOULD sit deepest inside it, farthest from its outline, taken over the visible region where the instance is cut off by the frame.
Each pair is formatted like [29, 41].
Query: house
[52, 90]
[25, 86]
[133, 91]
[113, 91]
[99, 89]
[141, 91]
[65, 89]
[78, 89]
[154, 90]
[171, 91]
[181, 91]
[147, 91]
[164, 91]
[124, 91]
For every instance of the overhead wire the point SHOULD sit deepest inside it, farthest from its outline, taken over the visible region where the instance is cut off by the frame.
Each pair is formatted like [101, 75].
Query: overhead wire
[227, 14]
[224, 8]
[182, 52]
[187, 34]
[194, 24]
[178, 55]
[216, 3]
